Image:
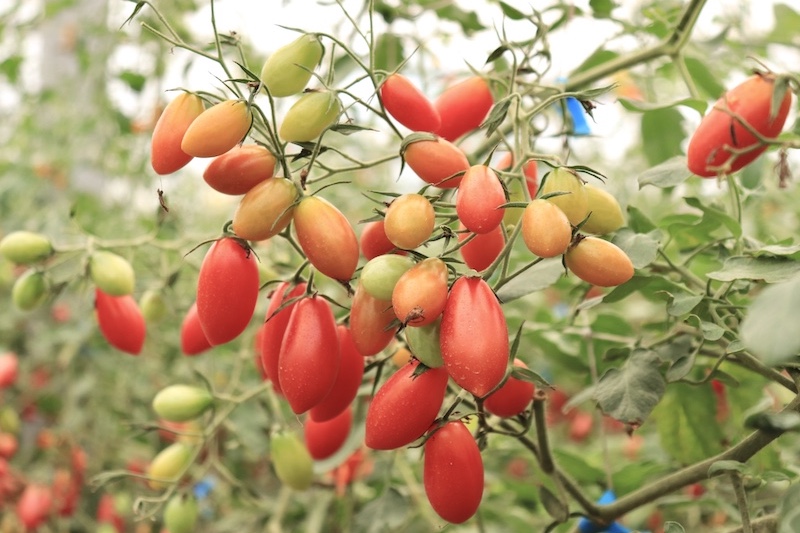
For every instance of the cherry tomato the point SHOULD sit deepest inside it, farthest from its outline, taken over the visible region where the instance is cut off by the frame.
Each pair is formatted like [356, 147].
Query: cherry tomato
[325, 438]
[310, 116]
[348, 380]
[463, 106]
[265, 210]
[9, 369]
[512, 398]
[193, 340]
[379, 276]
[121, 322]
[480, 196]
[326, 237]
[240, 169]
[409, 221]
[166, 155]
[482, 250]
[408, 105]
[275, 322]
[420, 294]
[288, 70]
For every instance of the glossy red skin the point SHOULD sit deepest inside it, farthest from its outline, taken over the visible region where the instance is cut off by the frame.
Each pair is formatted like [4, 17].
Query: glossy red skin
[420, 294]
[404, 407]
[474, 336]
[369, 322]
[482, 250]
[480, 196]
[453, 472]
[529, 169]
[193, 340]
[240, 169]
[9, 369]
[436, 161]
[326, 237]
[227, 290]
[274, 327]
[463, 107]
[512, 398]
[308, 362]
[34, 505]
[166, 155]
[323, 439]
[374, 242]
[751, 100]
[408, 105]
[121, 321]
[348, 380]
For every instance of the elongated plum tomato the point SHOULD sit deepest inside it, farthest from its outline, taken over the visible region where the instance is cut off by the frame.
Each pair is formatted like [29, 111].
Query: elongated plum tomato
[545, 229]
[409, 221]
[277, 317]
[218, 129]
[9, 369]
[180, 513]
[483, 249]
[453, 472]
[512, 398]
[605, 213]
[293, 464]
[424, 343]
[474, 336]
[167, 466]
[599, 262]
[434, 160]
[480, 196]
[404, 407]
[240, 169]
[265, 210]
[575, 200]
[371, 322]
[380, 275]
[121, 322]
[193, 340]
[373, 240]
[308, 362]
[323, 439]
[310, 116]
[112, 273]
[326, 237]
[227, 290]
[348, 379]
[29, 290]
[25, 247]
[463, 106]
[180, 403]
[408, 105]
[718, 132]
[420, 294]
[288, 69]
[166, 155]
[34, 506]
[514, 185]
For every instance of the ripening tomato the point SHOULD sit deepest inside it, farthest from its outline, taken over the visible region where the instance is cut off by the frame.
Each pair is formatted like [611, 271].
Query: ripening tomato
[240, 169]
[121, 322]
[719, 132]
[545, 229]
[514, 185]
[408, 105]
[112, 273]
[409, 221]
[420, 294]
[218, 129]
[575, 203]
[166, 155]
[275, 321]
[380, 274]
[180, 403]
[310, 116]
[288, 69]
[404, 407]
[323, 439]
[424, 343]
[374, 242]
[34, 506]
[66, 490]
[326, 237]
[482, 250]
[293, 465]
[308, 362]
[605, 213]
[435, 161]
[348, 379]
[9, 369]
[480, 196]
[169, 464]
[265, 210]
[599, 262]
[227, 290]
[512, 398]
[371, 322]
[193, 340]
[463, 106]
[453, 472]
[474, 336]
[180, 513]
[8, 445]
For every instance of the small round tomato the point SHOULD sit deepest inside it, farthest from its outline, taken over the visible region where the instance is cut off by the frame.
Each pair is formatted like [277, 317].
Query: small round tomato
[348, 379]
[218, 129]
[512, 398]
[545, 229]
[371, 322]
[121, 322]
[323, 439]
[409, 221]
[480, 196]
[326, 237]
[240, 169]
[463, 106]
[193, 340]
[420, 294]
[482, 250]
[408, 105]
[598, 262]
[166, 155]
[289, 68]
[435, 160]
[310, 116]
[265, 210]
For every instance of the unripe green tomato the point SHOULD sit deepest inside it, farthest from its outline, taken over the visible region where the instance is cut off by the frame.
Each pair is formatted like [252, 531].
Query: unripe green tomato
[292, 461]
[309, 116]
[288, 69]
[106, 527]
[180, 514]
[424, 343]
[25, 247]
[180, 403]
[29, 291]
[605, 212]
[168, 465]
[575, 203]
[380, 274]
[112, 273]
[9, 420]
[153, 306]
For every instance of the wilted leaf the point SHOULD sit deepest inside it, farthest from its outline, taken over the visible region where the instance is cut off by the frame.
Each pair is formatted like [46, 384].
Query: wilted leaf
[629, 394]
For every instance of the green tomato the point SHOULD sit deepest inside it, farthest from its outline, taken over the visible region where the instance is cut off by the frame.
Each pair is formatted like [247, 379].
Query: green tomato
[309, 116]
[25, 247]
[380, 274]
[424, 343]
[605, 212]
[574, 201]
[112, 273]
[168, 465]
[180, 403]
[180, 514]
[288, 69]
[292, 461]
[29, 291]
[153, 306]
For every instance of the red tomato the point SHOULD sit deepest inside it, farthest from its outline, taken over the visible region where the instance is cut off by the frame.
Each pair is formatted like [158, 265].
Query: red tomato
[166, 155]
[227, 290]
[408, 105]
[529, 170]
[193, 340]
[512, 398]
[480, 196]
[370, 322]
[474, 336]
[374, 242]
[718, 132]
[404, 407]
[274, 327]
[34, 505]
[8, 445]
[481, 251]
[240, 169]
[9, 369]
[326, 237]
[436, 161]
[323, 439]
[420, 294]
[463, 106]
[453, 472]
[121, 322]
[217, 129]
[107, 513]
[348, 380]
[309, 357]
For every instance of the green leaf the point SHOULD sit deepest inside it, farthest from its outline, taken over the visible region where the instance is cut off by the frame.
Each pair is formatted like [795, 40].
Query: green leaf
[577, 466]
[682, 303]
[778, 422]
[10, 68]
[468, 20]
[703, 79]
[717, 216]
[389, 53]
[780, 249]
[769, 269]
[557, 509]
[787, 20]
[598, 57]
[662, 134]
[602, 9]
[534, 279]
[511, 12]
[526, 374]
[497, 53]
[630, 393]
[634, 475]
[686, 421]
[670, 173]
[789, 510]
[719, 467]
[638, 221]
[641, 248]
[497, 115]
[637, 105]
[648, 286]
[134, 80]
[769, 328]
[348, 129]
[710, 331]
[385, 513]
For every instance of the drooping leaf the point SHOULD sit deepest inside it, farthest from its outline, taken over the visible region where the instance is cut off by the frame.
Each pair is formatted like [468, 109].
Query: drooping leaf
[630, 393]
[769, 269]
[669, 173]
[769, 329]
[641, 248]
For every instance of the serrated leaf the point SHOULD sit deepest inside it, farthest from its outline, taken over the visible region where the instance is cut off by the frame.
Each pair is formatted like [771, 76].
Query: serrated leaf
[534, 279]
[670, 173]
[686, 422]
[769, 269]
[639, 106]
[641, 248]
[630, 393]
[719, 467]
[778, 422]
